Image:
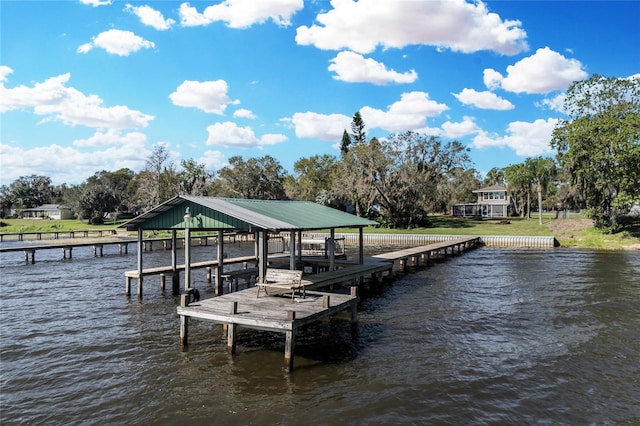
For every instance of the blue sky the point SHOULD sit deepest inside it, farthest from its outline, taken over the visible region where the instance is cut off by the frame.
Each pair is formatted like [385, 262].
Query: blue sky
[94, 85]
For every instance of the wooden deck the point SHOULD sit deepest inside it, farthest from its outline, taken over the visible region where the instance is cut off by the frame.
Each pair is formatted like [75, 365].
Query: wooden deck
[273, 313]
[67, 248]
[163, 271]
[285, 314]
[414, 256]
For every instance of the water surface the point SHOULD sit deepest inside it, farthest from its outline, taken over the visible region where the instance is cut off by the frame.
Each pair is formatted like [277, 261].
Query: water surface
[489, 337]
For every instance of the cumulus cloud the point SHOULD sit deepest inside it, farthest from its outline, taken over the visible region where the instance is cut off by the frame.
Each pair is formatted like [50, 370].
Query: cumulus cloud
[70, 164]
[457, 130]
[526, 139]
[355, 68]
[213, 160]
[244, 113]
[457, 25]
[555, 103]
[151, 17]
[111, 137]
[483, 100]
[117, 42]
[328, 127]
[208, 96]
[409, 113]
[540, 73]
[96, 3]
[55, 101]
[4, 72]
[229, 134]
[241, 13]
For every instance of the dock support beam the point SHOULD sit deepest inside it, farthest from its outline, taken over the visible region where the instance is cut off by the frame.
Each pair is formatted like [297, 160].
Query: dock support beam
[184, 321]
[231, 330]
[220, 266]
[140, 276]
[290, 342]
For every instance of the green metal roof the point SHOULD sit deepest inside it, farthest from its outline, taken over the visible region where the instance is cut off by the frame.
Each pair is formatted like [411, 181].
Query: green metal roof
[244, 214]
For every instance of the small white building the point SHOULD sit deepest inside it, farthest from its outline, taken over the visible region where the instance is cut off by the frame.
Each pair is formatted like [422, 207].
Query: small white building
[48, 211]
[493, 201]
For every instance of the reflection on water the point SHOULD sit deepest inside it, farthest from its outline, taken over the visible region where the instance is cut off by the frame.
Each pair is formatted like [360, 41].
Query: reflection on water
[493, 336]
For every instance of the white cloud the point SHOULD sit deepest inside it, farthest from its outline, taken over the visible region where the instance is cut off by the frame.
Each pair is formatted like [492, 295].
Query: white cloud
[54, 100]
[555, 103]
[151, 17]
[241, 13]
[409, 113]
[483, 100]
[213, 160]
[526, 139]
[457, 130]
[111, 137]
[229, 134]
[328, 127]
[4, 72]
[208, 96]
[542, 72]
[68, 164]
[117, 42]
[354, 68]
[452, 24]
[244, 113]
[96, 3]
[492, 79]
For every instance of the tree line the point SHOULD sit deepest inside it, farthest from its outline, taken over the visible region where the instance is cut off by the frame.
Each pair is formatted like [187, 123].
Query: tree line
[398, 180]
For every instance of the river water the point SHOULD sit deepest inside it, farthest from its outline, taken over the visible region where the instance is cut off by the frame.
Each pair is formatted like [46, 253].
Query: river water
[495, 336]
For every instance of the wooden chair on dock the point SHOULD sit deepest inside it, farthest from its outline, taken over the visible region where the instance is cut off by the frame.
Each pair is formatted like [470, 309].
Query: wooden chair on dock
[282, 279]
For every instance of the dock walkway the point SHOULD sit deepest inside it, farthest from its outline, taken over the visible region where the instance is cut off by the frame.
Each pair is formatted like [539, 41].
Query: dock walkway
[277, 313]
[415, 255]
[273, 313]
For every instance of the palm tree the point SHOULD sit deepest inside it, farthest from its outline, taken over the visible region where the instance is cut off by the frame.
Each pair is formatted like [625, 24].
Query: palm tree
[541, 170]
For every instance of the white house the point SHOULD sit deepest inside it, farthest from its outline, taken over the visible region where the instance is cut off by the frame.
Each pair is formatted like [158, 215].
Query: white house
[493, 201]
[50, 211]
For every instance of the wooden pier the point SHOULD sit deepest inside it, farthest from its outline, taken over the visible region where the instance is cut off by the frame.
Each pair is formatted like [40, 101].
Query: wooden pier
[273, 313]
[67, 249]
[286, 313]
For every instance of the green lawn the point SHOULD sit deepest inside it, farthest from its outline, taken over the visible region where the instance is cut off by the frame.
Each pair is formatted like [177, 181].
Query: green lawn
[44, 225]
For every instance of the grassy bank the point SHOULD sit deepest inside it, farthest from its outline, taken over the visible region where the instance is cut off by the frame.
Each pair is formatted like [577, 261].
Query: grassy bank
[576, 231]
[44, 225]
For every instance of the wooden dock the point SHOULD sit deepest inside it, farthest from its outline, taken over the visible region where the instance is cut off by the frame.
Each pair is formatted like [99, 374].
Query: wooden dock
[414, 256]
[163, 271]
[274, 313]
[67, 248]
[286, 314]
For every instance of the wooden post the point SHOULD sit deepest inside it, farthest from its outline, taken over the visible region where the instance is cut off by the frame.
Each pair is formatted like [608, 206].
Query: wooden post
[231, 329]
[140, 251]
[326, 301]
[184, 320]
[354, 311]
[184, 330]
[290, 342]
[220, 266]
[163, 282]
[360, 246]
[292, 250]
[332, 249]
[187, 258]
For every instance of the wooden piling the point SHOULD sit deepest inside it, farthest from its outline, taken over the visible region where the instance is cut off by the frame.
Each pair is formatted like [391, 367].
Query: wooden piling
[232, 329]
[290, 342]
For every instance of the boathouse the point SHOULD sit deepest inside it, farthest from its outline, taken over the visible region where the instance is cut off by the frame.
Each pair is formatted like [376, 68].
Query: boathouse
[261, 218]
